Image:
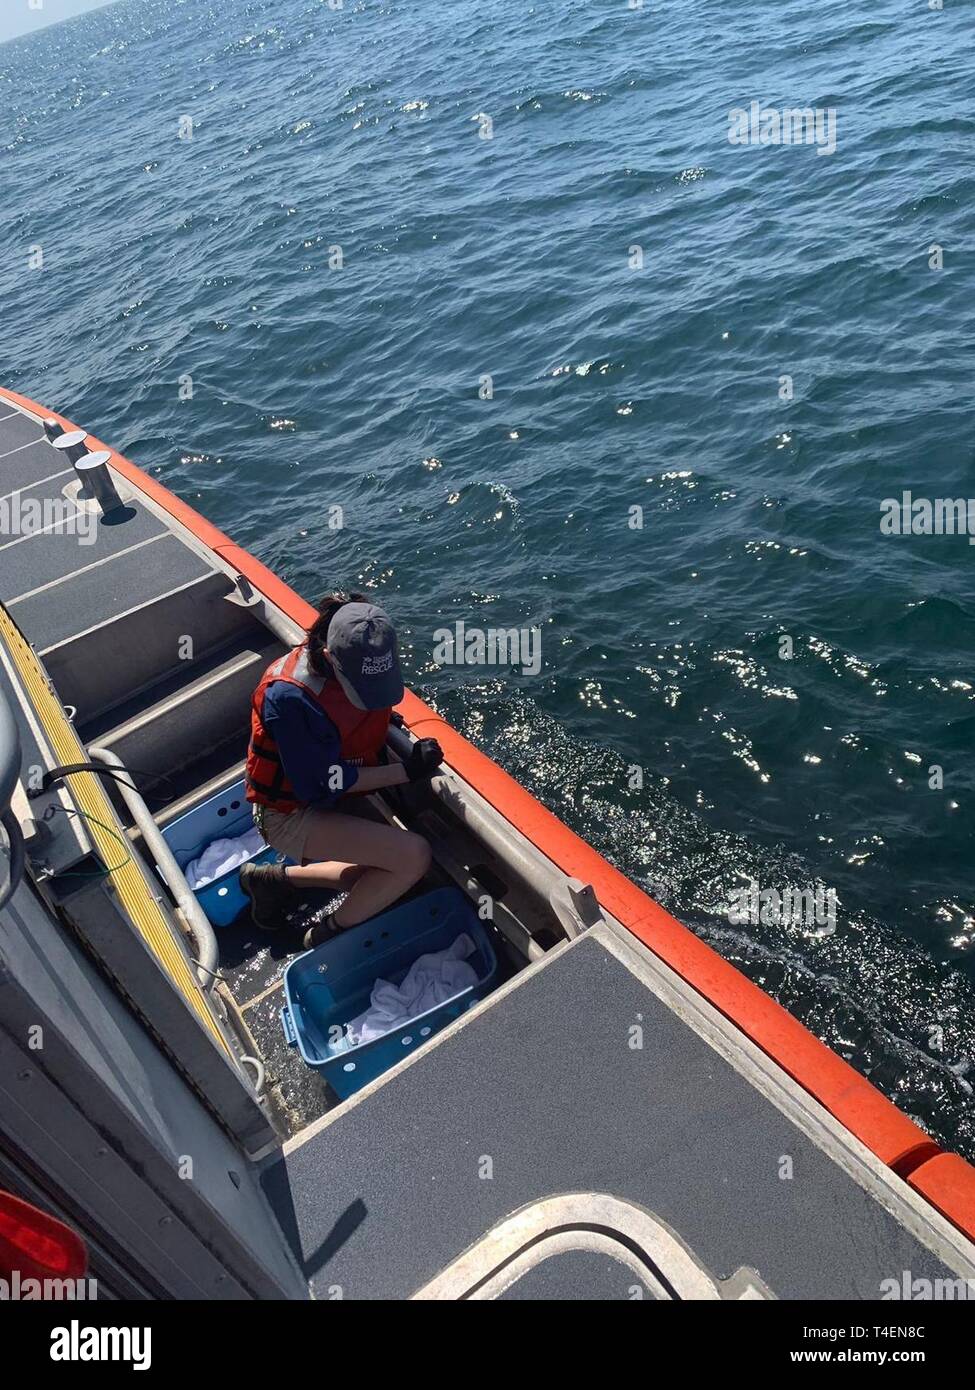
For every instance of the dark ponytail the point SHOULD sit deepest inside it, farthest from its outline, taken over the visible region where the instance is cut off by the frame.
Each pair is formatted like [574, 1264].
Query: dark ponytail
[318, 632]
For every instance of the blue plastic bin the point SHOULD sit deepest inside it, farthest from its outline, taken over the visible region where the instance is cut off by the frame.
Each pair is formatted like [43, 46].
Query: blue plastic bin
[331, 985]
[223, 816]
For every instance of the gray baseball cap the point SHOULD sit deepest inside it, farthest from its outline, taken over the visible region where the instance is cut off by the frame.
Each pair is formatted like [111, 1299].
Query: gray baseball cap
[362, 647]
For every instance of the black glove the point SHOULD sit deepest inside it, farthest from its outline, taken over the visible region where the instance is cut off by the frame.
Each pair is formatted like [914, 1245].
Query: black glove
[425, 758]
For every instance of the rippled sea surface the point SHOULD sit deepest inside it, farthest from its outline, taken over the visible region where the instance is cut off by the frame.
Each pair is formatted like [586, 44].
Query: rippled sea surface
[612, 388]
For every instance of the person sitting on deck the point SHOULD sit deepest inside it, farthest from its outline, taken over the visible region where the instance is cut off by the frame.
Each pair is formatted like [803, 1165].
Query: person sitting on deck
[319, 719]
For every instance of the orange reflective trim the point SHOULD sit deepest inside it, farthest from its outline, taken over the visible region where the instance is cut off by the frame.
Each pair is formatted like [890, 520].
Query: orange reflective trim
[948, 1183]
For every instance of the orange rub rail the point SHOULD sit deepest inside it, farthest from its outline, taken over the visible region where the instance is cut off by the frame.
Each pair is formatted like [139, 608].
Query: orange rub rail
[945, 1180]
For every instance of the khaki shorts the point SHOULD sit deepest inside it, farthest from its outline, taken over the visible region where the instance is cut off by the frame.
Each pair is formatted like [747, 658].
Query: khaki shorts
[288, 831]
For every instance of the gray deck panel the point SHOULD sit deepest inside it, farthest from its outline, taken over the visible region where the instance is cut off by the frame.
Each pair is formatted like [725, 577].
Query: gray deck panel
[58, 553]
[388, 1192]
[27, 466]
[15, 430]
[104, 592]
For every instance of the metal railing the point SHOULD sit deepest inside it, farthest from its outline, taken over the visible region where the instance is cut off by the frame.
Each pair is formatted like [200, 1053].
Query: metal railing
[203, 934]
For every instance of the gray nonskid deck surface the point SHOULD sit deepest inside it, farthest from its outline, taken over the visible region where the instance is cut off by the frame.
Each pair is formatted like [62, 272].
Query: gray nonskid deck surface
[98, 595]
[16, 430]
[543, 1090]
[41, 560]
[28, 467]
[66, 578]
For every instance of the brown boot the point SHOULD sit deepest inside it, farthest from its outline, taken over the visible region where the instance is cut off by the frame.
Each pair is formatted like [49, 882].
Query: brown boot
[270, 893]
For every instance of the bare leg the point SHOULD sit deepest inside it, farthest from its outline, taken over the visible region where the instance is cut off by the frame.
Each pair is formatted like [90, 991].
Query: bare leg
[389, 861]
[329, 873]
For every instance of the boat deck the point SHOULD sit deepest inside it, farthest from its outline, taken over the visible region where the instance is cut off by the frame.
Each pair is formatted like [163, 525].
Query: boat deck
[688, 1166]
[59, 583]
[540, 1094]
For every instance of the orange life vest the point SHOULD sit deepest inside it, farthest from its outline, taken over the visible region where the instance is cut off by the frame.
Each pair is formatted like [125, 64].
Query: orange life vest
[362, 733]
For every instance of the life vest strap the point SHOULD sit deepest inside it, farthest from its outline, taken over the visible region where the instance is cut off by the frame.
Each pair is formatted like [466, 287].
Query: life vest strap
[264, 750]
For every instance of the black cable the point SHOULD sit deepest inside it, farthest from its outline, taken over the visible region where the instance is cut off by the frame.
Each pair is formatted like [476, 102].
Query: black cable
[109, 868]
[55, 774]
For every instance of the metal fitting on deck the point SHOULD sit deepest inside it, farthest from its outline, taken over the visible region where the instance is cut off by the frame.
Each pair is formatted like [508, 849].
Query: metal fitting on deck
[91, 469]
[71, 444]
[96, 480]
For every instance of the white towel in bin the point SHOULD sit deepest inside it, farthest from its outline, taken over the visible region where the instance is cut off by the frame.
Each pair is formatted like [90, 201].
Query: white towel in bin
[430, 980]
[221, 856]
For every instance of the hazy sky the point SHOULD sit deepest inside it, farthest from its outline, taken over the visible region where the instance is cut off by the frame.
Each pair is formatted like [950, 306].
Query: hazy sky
[19, 17]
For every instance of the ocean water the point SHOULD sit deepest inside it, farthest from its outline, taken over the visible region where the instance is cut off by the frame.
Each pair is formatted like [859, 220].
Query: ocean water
[613, 387]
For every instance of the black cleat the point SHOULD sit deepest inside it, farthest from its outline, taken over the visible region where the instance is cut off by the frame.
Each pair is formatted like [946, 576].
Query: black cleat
[269, 891]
